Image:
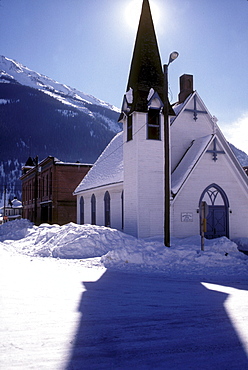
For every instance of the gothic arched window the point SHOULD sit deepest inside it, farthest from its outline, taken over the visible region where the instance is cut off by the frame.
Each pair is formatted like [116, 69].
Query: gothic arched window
[81, 210]
[107, 208]
[93, 209]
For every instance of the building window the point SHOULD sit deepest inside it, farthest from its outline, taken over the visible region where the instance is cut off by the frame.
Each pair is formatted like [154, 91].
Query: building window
[30, 192]
[43, 186]
[50, 184]
[129, 127]
[47, 185]
[153, 125]
[107, 208]
[81, 210]
[93, 209]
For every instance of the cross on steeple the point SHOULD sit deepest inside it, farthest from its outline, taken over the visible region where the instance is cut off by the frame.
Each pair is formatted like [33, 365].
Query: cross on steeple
[195, 110]
[215, 151]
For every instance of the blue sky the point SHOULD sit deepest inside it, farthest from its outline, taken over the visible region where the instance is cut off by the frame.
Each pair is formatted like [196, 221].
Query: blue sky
[88, 44]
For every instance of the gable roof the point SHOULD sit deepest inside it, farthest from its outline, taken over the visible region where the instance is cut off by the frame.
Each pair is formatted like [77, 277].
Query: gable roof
[180, 107]
[188, 162]
[194, 154]
[108, 169]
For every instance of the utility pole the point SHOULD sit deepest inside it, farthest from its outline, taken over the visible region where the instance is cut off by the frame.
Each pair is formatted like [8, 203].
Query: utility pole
[166, 162]
[203, 218]
[167, 166]
[4, 202]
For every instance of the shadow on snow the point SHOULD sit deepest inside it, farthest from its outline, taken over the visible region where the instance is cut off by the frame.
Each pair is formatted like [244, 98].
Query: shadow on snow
[147, 322]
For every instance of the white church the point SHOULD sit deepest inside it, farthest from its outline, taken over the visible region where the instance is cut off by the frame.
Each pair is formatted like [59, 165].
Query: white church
[125, 189]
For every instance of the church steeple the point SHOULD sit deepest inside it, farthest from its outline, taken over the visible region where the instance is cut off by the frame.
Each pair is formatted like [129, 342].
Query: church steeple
[146, 68]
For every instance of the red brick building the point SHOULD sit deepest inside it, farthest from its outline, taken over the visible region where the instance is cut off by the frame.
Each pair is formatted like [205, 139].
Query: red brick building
[47, 189]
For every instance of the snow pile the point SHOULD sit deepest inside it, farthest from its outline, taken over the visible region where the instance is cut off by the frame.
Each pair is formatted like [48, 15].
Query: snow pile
[116, 250]
[67, 241]
[15, 230]
[221, 256]
[242, 244]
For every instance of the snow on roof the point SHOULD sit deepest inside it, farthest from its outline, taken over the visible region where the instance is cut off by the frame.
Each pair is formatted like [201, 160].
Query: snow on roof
[177, 107]
[108, 169]
[72, 163]
[16, 203]
[188, 162]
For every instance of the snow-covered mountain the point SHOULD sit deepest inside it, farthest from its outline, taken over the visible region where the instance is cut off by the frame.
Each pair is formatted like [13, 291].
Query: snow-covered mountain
[13, 72]
[241, 156]
[39, 116]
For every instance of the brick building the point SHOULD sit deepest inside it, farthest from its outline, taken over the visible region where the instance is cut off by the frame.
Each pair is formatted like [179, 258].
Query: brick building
[47, 188]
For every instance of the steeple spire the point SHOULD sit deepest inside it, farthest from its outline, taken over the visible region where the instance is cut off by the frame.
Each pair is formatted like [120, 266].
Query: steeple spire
[146, 68]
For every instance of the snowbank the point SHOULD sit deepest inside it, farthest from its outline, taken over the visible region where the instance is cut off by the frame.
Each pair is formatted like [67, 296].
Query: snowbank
[15, 230]
[121, 251]
[67, 241]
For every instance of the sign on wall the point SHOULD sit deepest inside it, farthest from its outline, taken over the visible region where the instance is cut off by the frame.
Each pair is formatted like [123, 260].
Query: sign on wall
[187, 217]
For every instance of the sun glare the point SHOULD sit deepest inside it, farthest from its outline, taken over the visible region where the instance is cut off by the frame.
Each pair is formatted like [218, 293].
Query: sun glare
[133, 10]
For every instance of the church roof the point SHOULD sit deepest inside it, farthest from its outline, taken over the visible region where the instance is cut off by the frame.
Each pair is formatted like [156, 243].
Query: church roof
[178, 107]
[188, 162]
[146, 68]
[108, 169]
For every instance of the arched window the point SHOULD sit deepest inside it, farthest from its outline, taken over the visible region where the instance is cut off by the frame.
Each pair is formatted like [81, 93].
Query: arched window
[81, 210]
[93, 209]
[217, 217]
[107, 208]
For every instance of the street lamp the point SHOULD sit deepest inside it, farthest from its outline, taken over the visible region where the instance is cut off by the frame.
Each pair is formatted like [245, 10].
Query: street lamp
[167, 169]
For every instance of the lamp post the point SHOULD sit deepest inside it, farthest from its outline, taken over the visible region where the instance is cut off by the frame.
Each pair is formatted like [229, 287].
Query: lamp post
[167, 167]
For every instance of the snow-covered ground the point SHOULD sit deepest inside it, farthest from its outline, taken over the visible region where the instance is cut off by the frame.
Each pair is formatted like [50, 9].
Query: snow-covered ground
[89, 297]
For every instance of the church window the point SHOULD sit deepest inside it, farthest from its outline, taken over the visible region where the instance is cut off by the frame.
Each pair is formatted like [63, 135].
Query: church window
[81, 210]
[129, 127]
[93, 209]
[153, 125]
[107, 208]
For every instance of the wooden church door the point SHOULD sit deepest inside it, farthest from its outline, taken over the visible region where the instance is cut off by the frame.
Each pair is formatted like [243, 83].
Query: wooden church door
[217, 218]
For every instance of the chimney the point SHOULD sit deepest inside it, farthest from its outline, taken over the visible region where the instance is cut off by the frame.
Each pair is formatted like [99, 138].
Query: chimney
[186, 87]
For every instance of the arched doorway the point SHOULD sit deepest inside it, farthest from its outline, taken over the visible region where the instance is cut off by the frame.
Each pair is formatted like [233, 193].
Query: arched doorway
[217, 218]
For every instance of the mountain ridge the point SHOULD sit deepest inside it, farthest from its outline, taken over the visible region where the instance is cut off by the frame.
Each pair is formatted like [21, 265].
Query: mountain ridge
[28, 77]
